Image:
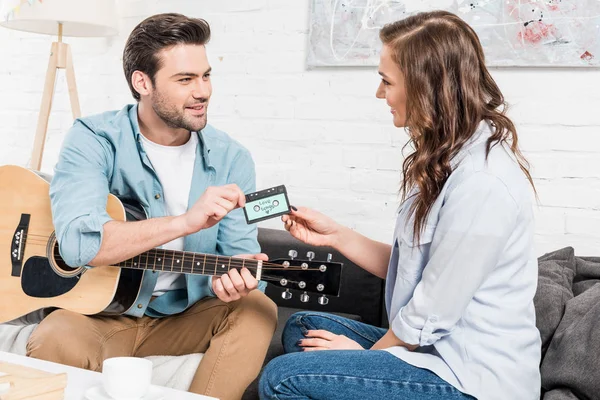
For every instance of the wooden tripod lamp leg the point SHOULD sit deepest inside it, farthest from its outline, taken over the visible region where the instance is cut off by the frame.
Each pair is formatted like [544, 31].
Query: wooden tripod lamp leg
[60, 58]
[70, 74]
[42, 126]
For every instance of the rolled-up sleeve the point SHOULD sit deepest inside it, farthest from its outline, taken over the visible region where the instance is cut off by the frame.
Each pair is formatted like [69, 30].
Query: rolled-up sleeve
[474, 227]
[79, 192]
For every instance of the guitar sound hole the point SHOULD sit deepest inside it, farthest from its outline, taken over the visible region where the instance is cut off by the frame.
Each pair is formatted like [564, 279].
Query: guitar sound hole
[59, 261]
[58, 264]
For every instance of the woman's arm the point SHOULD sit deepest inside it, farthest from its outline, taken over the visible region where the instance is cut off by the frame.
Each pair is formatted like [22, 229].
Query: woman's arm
[317, 229]
[390, 340]
[370, 255]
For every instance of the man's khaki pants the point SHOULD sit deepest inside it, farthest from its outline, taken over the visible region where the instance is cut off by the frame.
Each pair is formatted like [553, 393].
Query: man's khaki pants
[234, 338]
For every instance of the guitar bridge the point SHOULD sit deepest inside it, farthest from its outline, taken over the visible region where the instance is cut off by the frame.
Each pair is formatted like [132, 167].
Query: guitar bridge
[17, 248]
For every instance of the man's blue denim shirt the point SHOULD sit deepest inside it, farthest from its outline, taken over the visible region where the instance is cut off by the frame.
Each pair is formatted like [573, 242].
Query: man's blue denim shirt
[103, 154]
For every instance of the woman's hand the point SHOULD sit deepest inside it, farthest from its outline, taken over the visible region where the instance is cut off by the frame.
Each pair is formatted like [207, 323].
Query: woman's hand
[324, 340]
[311, 227]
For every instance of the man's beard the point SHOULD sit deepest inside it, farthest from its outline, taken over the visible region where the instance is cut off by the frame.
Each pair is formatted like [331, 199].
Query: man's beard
[175, 118]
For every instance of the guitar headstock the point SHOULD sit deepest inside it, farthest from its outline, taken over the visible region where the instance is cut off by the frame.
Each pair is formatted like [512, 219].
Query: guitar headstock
[308, 275]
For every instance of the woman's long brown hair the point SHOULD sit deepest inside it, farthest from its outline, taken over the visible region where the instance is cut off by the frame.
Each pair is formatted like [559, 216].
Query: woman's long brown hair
[449, 92]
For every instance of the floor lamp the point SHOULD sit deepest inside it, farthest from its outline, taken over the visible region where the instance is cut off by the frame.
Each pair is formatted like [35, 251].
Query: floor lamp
[82, 18]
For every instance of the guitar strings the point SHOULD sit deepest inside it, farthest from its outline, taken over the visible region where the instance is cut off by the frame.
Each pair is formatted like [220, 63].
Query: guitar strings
[235, 262]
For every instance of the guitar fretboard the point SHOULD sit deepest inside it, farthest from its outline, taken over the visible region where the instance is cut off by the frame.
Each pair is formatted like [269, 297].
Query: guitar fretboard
[188, 262]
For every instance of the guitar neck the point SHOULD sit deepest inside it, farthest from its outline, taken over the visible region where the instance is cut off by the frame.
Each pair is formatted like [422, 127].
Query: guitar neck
[190, 263]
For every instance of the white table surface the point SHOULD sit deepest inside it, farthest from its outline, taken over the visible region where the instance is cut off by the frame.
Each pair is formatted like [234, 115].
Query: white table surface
[79, 380]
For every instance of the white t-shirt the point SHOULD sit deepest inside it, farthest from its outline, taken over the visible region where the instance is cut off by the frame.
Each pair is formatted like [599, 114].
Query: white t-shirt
[174, 166]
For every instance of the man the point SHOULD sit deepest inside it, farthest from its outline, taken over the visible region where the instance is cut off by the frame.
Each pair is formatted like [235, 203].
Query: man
[189, 178]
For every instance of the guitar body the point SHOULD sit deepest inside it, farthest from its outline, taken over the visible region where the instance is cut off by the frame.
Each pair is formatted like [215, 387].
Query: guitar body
[33, 276]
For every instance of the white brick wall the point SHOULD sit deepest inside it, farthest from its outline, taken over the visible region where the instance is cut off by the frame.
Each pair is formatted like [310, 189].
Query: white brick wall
[321, 132]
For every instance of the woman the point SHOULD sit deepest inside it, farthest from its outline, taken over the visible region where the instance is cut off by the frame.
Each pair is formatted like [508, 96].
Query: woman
[461, 272]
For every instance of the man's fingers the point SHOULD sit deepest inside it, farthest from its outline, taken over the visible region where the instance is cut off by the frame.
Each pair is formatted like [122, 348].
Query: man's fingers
[250, 282]
[236, 280]
[226, 204]
[242, 197]
[229, 287]
[220, 290]
[230, 192]
[237, 195]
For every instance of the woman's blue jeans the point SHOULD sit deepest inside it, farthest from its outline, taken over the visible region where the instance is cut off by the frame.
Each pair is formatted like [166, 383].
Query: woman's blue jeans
[346, 374]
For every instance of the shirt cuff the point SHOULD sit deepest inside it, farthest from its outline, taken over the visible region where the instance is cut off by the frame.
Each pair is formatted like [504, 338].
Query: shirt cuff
[81, 241]
[424, 336]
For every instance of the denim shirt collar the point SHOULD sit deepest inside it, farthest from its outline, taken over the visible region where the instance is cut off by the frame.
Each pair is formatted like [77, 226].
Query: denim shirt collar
[203, 143]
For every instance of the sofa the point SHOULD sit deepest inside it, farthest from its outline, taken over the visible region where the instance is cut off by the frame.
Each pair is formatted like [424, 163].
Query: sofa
[567, 306]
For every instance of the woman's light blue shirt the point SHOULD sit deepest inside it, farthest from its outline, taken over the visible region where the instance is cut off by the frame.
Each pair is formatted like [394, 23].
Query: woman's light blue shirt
[464, 291]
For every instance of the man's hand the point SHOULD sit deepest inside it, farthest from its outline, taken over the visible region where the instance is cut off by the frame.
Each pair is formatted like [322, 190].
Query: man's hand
[325, 340]
[211, 207]
[234, 285]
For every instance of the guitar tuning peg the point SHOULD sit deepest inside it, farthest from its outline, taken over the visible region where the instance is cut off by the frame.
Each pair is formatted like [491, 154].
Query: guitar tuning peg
[323, 300]
[304, 297]
[293, 254]
[310, 255]
[329, 257]
[286, 295]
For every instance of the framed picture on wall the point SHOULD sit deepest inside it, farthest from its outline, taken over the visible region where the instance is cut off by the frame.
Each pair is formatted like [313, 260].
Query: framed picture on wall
[530, 33]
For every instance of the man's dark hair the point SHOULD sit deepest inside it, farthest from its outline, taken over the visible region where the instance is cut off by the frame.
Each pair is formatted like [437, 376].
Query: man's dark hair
[156, 33]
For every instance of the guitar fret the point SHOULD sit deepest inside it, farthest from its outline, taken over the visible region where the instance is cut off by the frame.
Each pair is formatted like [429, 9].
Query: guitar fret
[216, 265]
[161, 259]
[193, 261]
[154, 265]
[229, 266]
[204, 265]
[143, 263]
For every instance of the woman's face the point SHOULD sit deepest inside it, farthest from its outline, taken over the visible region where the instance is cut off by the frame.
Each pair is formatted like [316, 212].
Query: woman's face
[391, 87]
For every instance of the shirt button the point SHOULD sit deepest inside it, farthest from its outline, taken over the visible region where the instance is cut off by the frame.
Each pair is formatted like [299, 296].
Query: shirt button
[140, 306]
[157, 196]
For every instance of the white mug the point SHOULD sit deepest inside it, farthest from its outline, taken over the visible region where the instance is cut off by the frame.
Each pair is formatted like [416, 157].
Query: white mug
[126, 378]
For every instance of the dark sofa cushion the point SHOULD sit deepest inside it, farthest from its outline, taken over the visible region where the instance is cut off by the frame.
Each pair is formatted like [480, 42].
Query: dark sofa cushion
[555, 281]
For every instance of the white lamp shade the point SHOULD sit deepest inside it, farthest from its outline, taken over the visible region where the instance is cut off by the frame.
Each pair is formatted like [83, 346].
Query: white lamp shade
[79, 17]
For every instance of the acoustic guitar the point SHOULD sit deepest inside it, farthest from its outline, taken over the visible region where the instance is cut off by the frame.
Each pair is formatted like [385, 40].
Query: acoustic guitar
[33, 276]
